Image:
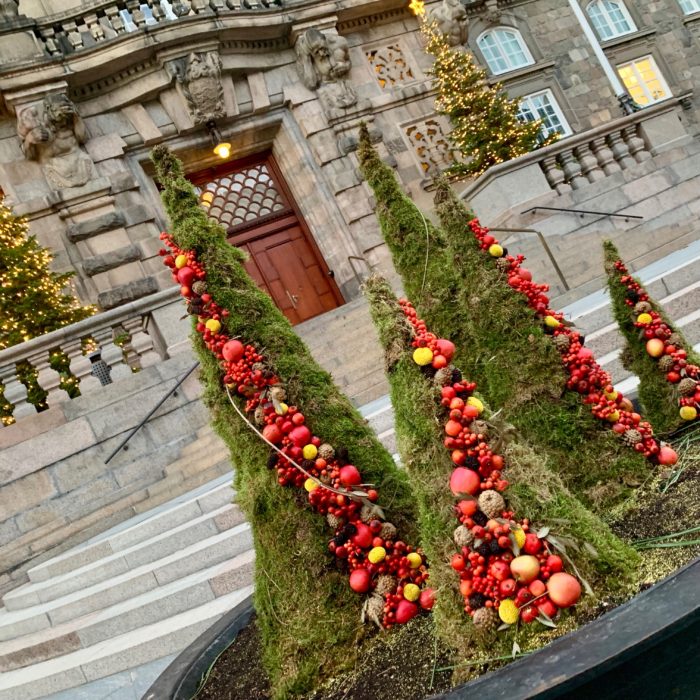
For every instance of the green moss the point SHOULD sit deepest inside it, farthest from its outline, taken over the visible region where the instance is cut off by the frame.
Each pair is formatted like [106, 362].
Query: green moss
[308, 616]
[535, 492]
[658, 397]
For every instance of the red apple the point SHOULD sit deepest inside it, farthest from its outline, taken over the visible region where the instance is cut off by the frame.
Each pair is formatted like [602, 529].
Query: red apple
[528, 613]
[547, 607]
[363, 537]
[667, 456]
[464, 480]
[525, 568]
[232, 350]
[349, 475]
[537, 587]
[360, 580]
[554, 563]
[453, 428]
[446, 348]
[300, 435]
[185, 276]
[525, 274]
[427, 599]
[272, 433]
[405, 611]
[507, 587]
[499, 570]
[655, 347]
[563, 589]
[532, 543]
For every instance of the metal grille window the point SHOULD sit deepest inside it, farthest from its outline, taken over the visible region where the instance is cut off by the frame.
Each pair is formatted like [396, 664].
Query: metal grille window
[543, 105]
[690, 6]
[610, 18]
[242, 197]
[504, 50]
[644, 81]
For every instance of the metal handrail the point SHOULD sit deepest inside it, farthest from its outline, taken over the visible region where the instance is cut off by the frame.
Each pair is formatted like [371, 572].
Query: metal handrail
[145, 420]
[626, 217]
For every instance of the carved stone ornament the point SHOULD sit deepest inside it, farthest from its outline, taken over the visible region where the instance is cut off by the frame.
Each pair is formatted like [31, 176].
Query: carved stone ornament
[51, 134]
[9, 9]
[491, 12]
[323, 63]
[451, 19]
[199, 74]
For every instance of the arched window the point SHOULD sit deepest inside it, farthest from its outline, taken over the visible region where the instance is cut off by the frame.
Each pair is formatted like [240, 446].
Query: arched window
[542, 105]
[690, 6]
[610, 18]
[504, 50]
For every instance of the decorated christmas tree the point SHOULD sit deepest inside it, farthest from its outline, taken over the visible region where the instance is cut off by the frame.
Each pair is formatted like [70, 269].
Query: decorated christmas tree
[486, 129]
[33, 300]
[475, 479]
[326, 551]
[655, 350]
[464, 295]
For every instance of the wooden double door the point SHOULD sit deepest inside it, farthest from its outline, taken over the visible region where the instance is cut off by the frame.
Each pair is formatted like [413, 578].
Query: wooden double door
[251, 200]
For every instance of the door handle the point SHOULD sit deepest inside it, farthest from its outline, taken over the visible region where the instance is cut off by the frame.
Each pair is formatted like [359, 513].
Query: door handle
[293, 298]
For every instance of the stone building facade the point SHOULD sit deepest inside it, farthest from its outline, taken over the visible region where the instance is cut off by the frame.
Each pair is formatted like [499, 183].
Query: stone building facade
[88, 88]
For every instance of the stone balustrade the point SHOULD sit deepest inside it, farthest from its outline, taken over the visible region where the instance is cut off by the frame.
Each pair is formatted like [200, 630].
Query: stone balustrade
[55, 367]
[86, 27]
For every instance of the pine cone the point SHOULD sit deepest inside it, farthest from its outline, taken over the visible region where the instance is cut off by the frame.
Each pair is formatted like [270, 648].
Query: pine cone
[278, 393]
[199, 287]
[486, 620]
[491, 503]
[373, 610]
[676, 339]
[463, 536]
[367, 514]
[687, 386]
[326, 451]
[666, 363]
[385, 584]
[442, 377]
[631, 437]
[642, 307]
[562, 341]
[502, 264]
[388, 531]
[334, 521]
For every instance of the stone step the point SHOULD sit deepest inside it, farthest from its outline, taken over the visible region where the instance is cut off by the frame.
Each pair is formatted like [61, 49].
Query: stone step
[146, 643]
[149, 607]
[139, 528]
[607, 338]
[123, 560]
[98, 596]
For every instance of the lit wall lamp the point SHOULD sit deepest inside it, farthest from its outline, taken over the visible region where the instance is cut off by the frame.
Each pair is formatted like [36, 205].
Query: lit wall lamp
[221, 148]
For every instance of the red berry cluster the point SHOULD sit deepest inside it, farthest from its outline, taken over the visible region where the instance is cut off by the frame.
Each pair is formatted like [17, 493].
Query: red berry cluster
[489, 561]
[585, 375]
[659, 343]
[365, 545]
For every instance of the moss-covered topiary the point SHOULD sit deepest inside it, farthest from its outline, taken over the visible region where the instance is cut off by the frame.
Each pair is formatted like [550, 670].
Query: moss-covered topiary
[658, 396]
[501, 344]
[534, 491]
[308, 616]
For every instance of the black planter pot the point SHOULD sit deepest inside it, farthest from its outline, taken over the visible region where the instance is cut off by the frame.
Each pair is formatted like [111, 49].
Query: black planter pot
[646, 649]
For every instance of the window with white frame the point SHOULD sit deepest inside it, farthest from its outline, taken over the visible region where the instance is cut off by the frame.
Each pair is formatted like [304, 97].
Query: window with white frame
[690, 6]
[543, 105]
[644, 81]
[504, 50]
[610, 18]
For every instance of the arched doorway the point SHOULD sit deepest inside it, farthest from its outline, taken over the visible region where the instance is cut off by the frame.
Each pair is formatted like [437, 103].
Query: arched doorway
[251, 200]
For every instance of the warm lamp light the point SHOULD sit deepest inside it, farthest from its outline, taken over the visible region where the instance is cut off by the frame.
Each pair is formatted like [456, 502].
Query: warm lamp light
[207, 198]
[221, 148]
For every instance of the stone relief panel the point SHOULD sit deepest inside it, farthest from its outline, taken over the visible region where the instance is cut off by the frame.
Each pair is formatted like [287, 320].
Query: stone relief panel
[323, 64]
[430, 145]
[199, 75]
[389, 65]
[451, 19]
[51, 134]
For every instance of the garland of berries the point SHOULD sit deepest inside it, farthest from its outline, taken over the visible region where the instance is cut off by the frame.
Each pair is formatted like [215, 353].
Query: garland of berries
[390, 571]
[497, 582]
[585, 375]
[663, 345]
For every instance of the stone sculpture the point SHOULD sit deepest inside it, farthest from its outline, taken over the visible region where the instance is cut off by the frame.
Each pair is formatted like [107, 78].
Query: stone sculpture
[451, 19]
[9, 10]
[51, 134]
[199, 74]
[323, 63]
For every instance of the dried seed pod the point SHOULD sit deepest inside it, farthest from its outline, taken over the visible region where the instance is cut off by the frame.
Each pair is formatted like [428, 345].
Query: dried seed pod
[386, 584]
[687, 386]
[326, 451]
[463, 536]
[491, 503]
[486, 620]
[388, 531]
[642, 307]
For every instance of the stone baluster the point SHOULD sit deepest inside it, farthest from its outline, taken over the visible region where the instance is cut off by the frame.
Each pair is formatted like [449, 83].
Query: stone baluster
[48, 34]
[605, 157]
[80, 366]
[15, 394]
[589, 163]
[74, 36]
[555, 175]
[93, 25]
[36, 394]
[115, 19]
[137, 15]
[620, 151]
[141, 342]
[111, 354]
[48, 378]
[200, 6]
[217, 5]
[572, 170]
[156, 10]
[635, 143]
[233, 4]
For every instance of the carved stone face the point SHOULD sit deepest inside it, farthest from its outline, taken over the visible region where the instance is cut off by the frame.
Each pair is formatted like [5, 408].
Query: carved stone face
[59, 109]
[318, 46]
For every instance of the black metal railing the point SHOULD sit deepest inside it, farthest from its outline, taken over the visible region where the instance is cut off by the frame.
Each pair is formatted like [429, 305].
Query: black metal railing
[583, 212]
[123, 444]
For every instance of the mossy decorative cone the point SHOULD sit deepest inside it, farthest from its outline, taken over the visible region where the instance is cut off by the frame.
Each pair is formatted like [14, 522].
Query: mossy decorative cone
[667, 367]
[534, 491]
[308, 616]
